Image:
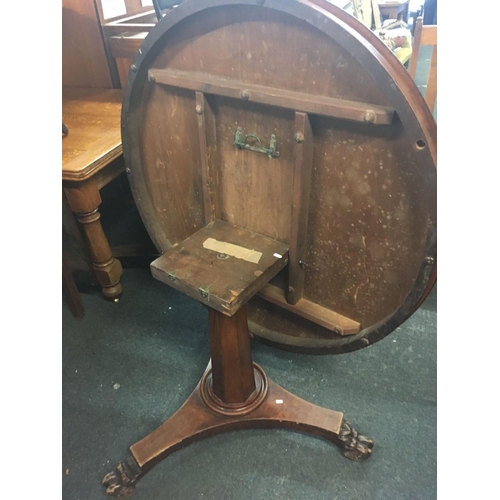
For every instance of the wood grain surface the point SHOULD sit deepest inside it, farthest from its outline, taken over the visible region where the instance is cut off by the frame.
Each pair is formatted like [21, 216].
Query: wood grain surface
[94, 140]
[369, 236]
[226, 277]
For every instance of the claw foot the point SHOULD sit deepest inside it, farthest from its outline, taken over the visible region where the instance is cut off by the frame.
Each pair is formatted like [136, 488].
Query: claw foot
[355, 446]
[120, 482]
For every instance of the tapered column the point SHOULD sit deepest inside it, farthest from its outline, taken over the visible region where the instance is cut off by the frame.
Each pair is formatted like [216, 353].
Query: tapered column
[233, 376]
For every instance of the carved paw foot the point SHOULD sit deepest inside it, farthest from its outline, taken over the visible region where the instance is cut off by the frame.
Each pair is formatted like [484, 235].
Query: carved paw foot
[120, 482]
[355, 446]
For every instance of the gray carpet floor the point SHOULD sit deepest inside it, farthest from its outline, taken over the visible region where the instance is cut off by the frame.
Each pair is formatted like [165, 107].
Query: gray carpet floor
[154, 344]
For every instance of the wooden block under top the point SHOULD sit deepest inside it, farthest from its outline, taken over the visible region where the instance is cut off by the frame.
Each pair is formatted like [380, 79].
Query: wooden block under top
[311, 311]
[221, 265]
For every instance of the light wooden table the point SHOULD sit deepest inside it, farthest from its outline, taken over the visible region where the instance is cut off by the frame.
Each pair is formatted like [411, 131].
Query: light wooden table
[88, 153]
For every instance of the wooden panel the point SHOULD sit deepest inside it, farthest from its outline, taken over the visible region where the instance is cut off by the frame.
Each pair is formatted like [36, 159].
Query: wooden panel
[367, 216]
[316, 104]
[255, 190]
[169, 145]
[218, 278]
[311, 311]
[84, 62]
[110, 173]
[303, 156]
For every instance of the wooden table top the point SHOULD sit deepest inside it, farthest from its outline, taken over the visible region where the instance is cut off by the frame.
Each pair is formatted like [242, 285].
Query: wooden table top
[94, 140]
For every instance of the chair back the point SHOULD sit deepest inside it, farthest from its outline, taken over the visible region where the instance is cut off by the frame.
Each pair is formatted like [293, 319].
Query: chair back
[426, 35]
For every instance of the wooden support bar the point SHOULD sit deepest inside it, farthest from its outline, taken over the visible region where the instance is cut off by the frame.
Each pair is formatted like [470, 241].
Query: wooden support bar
[302, 164]
[429, 35]
[207, 140]
[113, 28]
[311, 311]
[431, 91]
[299, 101]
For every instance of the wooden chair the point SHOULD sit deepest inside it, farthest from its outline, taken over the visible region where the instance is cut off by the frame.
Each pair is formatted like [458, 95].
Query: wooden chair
[426, 35]
[124, 34]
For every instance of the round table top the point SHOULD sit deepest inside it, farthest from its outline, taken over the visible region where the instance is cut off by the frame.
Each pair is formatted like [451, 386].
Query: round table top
[292, 120]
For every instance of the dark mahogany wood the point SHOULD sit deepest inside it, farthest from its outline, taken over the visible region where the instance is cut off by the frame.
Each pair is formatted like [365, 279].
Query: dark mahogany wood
[226, 278]
[309, 103]
[232, 370]
[370, 252]
[226, 399]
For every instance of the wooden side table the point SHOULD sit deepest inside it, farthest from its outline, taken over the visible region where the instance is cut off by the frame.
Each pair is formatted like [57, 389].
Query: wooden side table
[94, 141]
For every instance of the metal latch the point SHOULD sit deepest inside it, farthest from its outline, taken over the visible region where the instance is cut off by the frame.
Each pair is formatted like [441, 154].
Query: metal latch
[241, 143]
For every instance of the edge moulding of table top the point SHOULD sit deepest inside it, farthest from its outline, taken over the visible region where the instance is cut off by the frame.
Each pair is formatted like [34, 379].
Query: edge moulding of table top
[298, 201]
[92, 117]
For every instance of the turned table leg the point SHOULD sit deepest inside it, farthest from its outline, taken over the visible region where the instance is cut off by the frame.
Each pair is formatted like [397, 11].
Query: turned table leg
[84, 200]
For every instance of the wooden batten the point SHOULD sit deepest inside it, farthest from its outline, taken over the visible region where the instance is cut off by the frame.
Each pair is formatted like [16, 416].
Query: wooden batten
[299, 101]
[302, 164]
[207, 141]
[311, 311]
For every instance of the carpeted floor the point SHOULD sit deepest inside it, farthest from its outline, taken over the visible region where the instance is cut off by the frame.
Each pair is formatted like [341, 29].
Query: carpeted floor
[154, 344]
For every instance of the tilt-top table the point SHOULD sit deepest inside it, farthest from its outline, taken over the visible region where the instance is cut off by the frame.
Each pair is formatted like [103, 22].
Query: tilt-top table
[284, 164]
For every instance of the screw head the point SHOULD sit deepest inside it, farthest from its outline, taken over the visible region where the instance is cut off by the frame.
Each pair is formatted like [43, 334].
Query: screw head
[199, 109]
[365, 341]
[245, 94]
[299, 137]
[291, 289]
[369, 116]
[429, 260]
[152, 78]
[116, 300]
[128, 171]
[133, 68]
